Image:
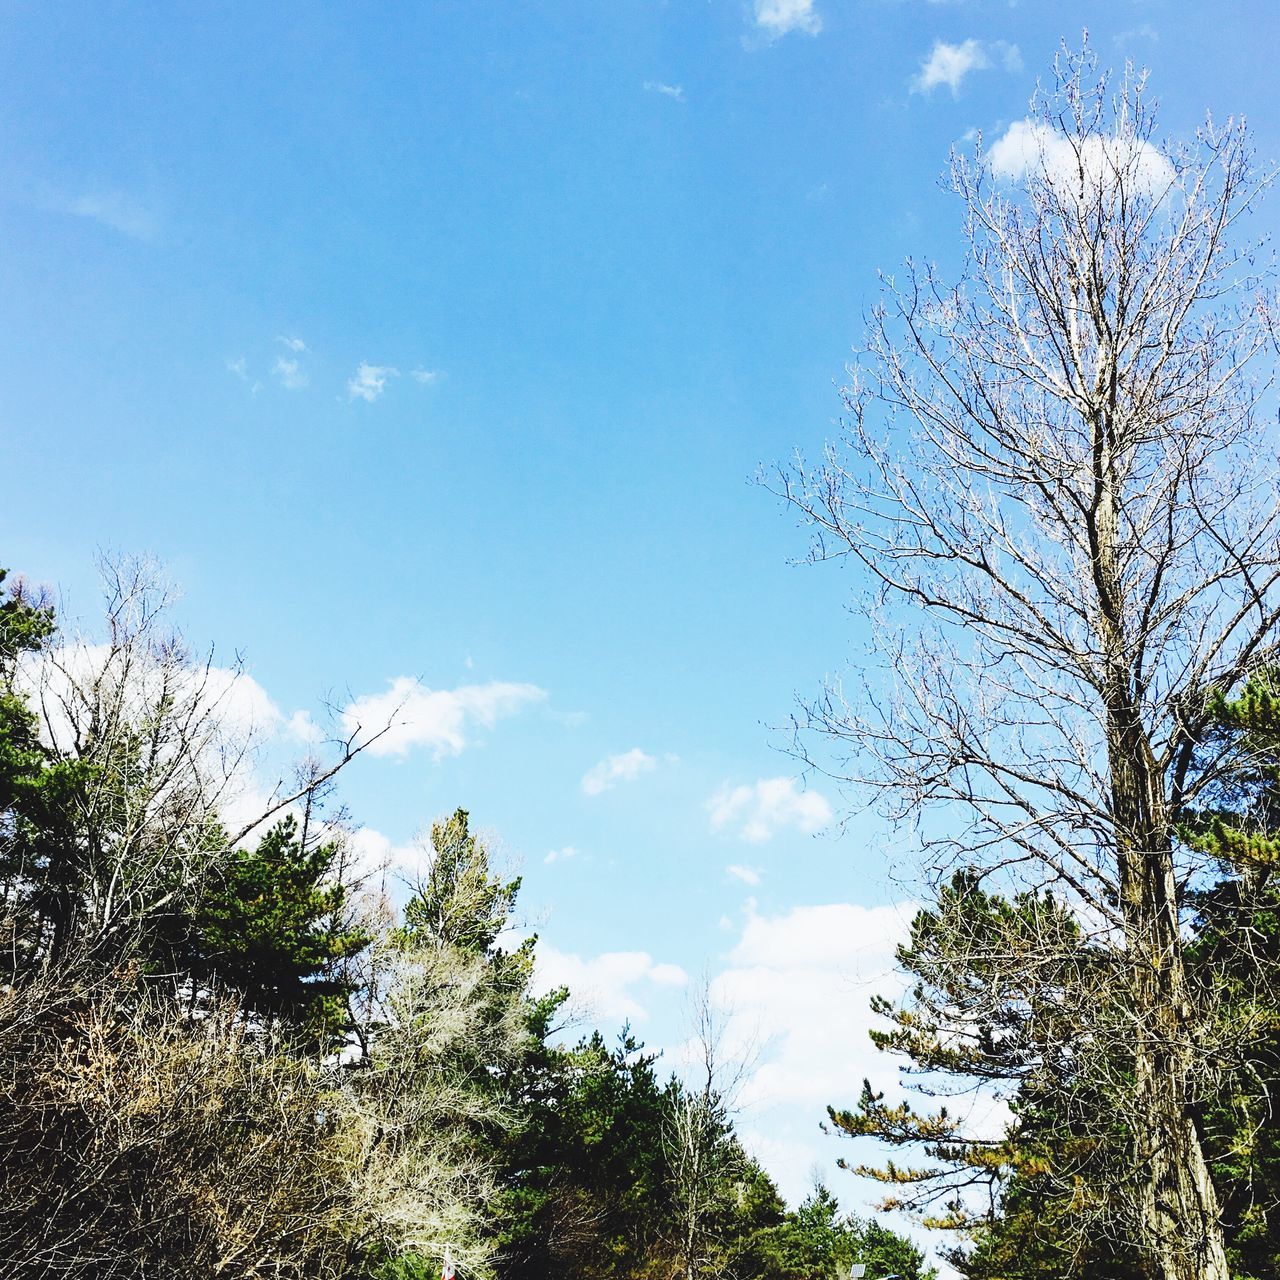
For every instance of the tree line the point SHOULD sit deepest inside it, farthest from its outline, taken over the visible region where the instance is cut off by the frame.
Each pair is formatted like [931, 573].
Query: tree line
[1058, 476]
[228, 1052]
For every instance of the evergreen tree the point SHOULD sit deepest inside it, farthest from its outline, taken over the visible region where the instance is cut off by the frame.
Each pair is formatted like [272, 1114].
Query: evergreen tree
[1234, 957]
[271, 928]
[460, 902]
[584, 1189]
[38, 791]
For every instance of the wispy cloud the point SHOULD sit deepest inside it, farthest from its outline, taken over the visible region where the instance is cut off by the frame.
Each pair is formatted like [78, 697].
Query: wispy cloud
[370, 381]
[117, 210]
[778, 17]
[758, 811]
[441, 720]
[748, 875]
[290, 374]
[625, 767]
[949, 64]
[240, 367]
[294, 344]
[1145, 32]
[561, 855]
[424, 376]
[675, 91]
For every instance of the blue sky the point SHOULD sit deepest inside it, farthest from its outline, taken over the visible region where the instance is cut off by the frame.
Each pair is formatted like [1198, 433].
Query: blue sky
[440, 342]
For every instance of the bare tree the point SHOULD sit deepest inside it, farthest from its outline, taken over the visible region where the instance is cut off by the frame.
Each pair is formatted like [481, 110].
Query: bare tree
[422, 1099]
[1060, 460]
[162, 743]
[134, 1142]
[702, 1152]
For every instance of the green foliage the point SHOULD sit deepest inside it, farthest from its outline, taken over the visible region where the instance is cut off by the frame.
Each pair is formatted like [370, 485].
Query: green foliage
[1006, 992]
[1001, 970]
[174, 1005]
[460, 903]
[998, 995]
[817, 1240]
[1234, 958]
[26, 622]
[584, 1187]
[749, 1213]
[39, 793]
[1238, 820]
[270, 928]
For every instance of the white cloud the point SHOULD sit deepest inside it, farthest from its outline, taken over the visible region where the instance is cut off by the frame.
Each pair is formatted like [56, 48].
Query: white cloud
[243, 705]
[561, 855]
[439, 719]
[424, 376]
[668, 975]
[801, 983]
[302, 728]
[372, 852]
[949, 63]
[238, 709]
[626, 767]
[748, 875]
[604, 985]
[1029, 148]
[675, 91]
[294, 344]
[290, 374]
[116, 210]
[767, 806]
[234, 724]
[778, 17]
[370, 381]
[839, 936]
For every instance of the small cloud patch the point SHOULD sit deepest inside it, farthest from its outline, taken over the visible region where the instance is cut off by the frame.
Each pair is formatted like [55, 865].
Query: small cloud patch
[441, 720]
[949, 64]
[370, 381]
[778, 17]
[117, 210]
[666, 90]
[290, 374]
[625, 767]
[758, 811]
[1030, 149]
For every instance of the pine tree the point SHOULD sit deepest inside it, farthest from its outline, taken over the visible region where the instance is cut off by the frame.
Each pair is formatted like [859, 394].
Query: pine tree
[271, 929]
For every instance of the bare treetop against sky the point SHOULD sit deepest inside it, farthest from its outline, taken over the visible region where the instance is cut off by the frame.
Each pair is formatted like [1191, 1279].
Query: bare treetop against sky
[433, 354]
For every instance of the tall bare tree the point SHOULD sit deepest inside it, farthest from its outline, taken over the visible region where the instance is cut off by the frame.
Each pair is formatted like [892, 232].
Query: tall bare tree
[1060, 461]
[703, 1155]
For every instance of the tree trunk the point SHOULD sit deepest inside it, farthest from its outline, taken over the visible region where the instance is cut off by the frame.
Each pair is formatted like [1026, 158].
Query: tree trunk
[1179, 1214]
[1177, 1208]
